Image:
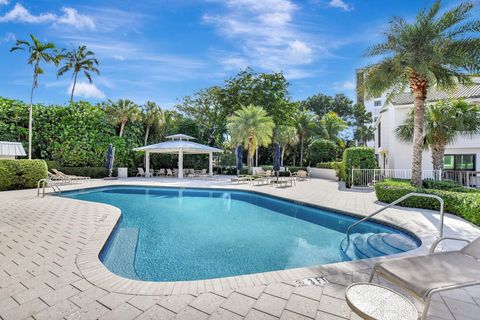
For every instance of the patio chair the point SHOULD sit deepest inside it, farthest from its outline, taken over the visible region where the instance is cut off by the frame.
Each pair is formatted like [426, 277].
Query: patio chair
[58, 178]
[151, 173]
[302, 175]
[169, 173]
[423, 276]
[161, 172]
[69, 176]
[140, 172]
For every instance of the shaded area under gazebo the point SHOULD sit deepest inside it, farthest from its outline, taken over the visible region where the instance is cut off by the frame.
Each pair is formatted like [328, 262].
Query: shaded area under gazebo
[179, 144]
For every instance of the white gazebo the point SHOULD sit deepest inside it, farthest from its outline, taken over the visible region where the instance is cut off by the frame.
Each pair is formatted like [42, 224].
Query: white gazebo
[11, 150]
[179, 144]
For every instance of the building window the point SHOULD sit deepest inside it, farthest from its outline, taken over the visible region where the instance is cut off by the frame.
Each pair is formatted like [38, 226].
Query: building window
[377, 103]
[379, 134]
[460, 162]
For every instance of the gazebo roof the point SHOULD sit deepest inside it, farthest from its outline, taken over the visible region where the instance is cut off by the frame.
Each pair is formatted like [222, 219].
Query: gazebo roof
[180, 136]
[13, 149]
[174, 146]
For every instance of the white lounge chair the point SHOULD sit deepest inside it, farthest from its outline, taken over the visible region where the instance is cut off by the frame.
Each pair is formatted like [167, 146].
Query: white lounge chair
[423, 276]
[140, 172]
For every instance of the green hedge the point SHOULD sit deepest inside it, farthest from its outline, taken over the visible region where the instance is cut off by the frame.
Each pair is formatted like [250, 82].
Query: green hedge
[463, 204]
[21, 174]
[322, 150]
[359, 158]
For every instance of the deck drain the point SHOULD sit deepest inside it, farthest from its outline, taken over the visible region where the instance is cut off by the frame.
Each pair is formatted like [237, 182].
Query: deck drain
[311, 281]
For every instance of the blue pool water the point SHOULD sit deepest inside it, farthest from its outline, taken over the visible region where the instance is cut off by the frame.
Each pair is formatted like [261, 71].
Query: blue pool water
[169, 234]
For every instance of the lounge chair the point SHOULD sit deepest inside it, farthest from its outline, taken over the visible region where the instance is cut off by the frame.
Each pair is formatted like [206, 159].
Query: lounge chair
[423, 276]
[302, 175]
[58, 178]
[160, 172]
[69, 176]
[140, 172]
[169, 173]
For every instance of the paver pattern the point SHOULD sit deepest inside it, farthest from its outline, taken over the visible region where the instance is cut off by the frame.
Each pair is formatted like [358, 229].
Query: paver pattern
[41, 238]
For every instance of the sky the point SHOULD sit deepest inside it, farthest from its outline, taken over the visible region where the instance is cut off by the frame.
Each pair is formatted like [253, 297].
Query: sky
[162, 50]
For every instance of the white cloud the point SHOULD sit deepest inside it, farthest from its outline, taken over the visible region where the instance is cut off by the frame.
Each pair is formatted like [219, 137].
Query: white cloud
[8, 37]
[20, 14]
[70, 17]
[4, 2]
[86, 90]
[346, 85]
[340, 4]
[265, 34]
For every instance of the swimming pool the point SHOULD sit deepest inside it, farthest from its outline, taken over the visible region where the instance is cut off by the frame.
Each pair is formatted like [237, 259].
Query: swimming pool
[173, 234]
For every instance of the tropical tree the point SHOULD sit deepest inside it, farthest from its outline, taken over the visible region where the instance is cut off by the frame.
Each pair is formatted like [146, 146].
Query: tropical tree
[285, 136]
[330, 126]
[80, 59]
[362, 121]
[251, 127]
[305, 121]
[121, 112]
[444, 122]
[152, 117]
[434, 50]
[38, 52]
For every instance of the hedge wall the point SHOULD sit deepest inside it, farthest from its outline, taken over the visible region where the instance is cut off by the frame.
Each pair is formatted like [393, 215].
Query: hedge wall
[359, 158]
[465, 204]
[21, 174]
[322, 150]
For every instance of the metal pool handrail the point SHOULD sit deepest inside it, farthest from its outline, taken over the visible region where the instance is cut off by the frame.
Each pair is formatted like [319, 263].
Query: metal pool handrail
[412, 194]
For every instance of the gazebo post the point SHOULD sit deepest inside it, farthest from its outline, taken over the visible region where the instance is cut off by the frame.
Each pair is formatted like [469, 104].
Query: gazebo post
[147, 164]
[210, 163]
[180, 164]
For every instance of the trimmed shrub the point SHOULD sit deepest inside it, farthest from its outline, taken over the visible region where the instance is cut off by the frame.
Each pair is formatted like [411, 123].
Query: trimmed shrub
[463, 204]
[322, 150]
[358, 158]
[336, 165]
[21, 174]
[449, 185]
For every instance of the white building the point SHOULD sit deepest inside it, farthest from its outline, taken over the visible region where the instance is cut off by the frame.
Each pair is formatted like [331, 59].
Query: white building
[462, 155]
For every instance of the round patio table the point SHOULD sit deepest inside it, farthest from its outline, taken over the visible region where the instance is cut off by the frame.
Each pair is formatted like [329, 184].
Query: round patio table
[375, 302]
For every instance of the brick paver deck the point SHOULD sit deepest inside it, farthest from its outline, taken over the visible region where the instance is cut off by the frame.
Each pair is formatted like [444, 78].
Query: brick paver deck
[42, 276]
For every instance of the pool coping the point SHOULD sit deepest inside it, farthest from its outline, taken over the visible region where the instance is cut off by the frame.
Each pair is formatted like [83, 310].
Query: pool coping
[94, 271]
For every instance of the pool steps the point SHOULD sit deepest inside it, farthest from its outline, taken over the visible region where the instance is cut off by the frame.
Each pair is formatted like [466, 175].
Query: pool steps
[370, 245]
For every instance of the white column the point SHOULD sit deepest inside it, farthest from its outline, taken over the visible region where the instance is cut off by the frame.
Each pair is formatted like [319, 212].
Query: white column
[147, 164]
[210, 164]
[180, 164]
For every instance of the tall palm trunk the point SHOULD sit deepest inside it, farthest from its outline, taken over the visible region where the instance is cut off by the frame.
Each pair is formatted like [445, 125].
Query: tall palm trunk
[281, 157]
[301, 150]
[147, 132]
[122, 127]
[419, 86]
[30, 114]
[73, 87]
[438, 151]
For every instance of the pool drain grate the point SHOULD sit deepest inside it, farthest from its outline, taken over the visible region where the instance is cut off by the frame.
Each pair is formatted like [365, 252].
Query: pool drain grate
[311, 281]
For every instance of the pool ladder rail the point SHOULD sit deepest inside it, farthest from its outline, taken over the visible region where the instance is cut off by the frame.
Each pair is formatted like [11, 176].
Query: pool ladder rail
[47, 183]
[372, 245]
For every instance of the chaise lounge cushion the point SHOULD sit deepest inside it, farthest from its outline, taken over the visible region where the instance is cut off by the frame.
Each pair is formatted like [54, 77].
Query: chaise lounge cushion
[473, 249]
[421, 274]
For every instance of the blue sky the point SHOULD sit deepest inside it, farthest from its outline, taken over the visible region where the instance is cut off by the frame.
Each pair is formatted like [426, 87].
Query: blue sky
[162, 50]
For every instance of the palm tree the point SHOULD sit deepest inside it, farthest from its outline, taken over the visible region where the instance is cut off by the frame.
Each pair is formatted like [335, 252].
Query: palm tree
[444, 122]
[152, 117]
[38, 52]
[121, 112]
[285, 136]
[433, 50]
[305, 121]
[79, 60]
[251, 127]
[330, 126]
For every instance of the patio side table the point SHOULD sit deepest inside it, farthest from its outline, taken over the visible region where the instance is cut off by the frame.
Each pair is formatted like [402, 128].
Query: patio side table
[375, 302]
[122, 172]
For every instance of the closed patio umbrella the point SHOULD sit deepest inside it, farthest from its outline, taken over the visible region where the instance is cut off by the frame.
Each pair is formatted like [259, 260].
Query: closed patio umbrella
[239, 154]
[276, 158]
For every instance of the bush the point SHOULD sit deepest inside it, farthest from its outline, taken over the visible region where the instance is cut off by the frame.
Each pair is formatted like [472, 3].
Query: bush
[336, 165]
[449, 185]
[358, 158]
[322, 150]
[464, 204]
[92, 172]
[21, 174]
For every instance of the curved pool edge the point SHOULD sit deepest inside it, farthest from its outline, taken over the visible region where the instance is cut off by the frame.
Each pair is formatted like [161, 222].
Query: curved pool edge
[94, 271]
